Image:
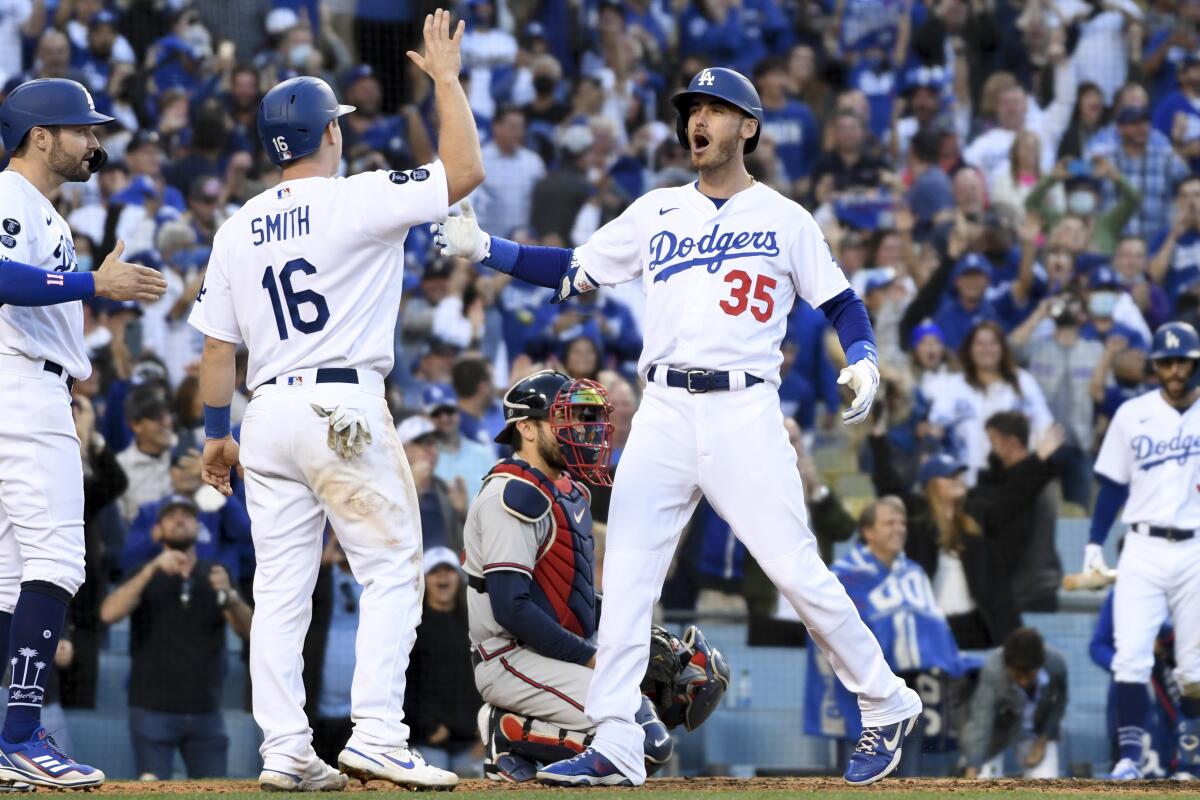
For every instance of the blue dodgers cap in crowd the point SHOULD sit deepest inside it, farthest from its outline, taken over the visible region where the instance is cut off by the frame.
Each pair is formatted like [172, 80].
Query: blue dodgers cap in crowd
[926, 328]
[355, 74]
[879, 278]
[972, 262]
[1104, 278]
[438, 395]
[103, 17]
[1133, 114]
[178, 501]
[939, 466]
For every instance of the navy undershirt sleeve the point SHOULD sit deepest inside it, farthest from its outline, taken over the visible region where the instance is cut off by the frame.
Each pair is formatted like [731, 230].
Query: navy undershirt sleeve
[25, 285]
[1109, 500]
[848, 316]
[508, 593]
[541, 266]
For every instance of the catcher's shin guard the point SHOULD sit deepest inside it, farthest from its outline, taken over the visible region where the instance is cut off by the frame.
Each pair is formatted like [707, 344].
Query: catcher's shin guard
[535, 739]
[658, 744]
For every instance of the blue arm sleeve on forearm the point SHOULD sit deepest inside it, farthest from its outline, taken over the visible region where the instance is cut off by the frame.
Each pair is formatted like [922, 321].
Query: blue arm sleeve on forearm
[1111, 497]
[23, 285]
[541, 266]
[508, 593]
[848, 316]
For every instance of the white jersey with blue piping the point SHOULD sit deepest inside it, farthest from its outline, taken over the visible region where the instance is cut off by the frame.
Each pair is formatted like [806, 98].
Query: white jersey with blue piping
[719, 283]
[1154, 449]
[32, 232]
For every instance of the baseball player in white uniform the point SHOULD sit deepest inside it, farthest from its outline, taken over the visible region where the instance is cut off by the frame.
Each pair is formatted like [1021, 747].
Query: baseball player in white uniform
[308, 275]
[1150, 464]
[47, 127]
[721, 262]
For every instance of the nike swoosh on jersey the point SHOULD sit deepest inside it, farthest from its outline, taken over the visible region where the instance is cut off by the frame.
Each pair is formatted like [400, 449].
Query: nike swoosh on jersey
[662, 211]
[579, 516]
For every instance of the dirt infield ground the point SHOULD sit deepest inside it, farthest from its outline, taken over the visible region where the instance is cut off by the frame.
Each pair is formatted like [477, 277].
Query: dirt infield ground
[713, 788]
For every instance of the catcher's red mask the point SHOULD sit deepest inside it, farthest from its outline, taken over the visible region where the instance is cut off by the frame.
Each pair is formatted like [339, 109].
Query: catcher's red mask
[579, 420]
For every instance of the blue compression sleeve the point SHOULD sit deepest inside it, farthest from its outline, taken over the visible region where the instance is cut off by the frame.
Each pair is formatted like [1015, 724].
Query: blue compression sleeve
[23, 285]
[1109, 499]
[541, 266]
[508, 593]
[848, 316]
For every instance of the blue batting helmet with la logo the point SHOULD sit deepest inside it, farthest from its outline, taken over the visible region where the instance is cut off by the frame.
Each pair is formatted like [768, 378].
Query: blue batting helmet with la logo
[1175, 340]
[723, 84]
[293, 115]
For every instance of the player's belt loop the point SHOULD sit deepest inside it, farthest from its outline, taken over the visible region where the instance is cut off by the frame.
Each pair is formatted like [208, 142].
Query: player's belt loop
[57, 369]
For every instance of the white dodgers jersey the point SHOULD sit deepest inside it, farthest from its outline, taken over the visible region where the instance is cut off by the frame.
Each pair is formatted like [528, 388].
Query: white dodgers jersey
[309, 273]
[719, 283]
[1155, 450]
[33, 233]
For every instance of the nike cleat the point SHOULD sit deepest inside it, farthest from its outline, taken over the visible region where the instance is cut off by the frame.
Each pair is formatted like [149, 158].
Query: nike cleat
[1126, 770]
[402, 766]
[589, 768]
[319, 777]
[878, 752]
[38, 761]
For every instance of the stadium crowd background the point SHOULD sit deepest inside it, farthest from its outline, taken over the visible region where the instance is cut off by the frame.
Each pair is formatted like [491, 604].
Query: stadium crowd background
[1009, 185]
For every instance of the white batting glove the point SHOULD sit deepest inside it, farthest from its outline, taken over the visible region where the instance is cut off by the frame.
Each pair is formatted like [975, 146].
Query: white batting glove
[863, 379]
[461, 236]
[348, 431]
[1093, 559]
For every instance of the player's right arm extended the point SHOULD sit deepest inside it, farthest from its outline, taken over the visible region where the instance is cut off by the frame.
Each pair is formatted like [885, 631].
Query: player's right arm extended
[26, 285]
[508, 593]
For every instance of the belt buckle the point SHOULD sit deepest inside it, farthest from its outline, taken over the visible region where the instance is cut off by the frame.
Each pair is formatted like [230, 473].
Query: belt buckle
[690, 373]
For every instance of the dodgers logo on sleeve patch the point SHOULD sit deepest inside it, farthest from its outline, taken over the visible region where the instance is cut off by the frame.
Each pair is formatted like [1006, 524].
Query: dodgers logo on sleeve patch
[420, 174]
[396, 176]
[8, 241]
[11, 226]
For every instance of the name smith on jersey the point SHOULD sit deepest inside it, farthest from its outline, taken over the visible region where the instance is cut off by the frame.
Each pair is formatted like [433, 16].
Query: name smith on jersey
[280, 227]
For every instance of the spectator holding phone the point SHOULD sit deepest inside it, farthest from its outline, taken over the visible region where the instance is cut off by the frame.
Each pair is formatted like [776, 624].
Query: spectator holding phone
[1081, 180]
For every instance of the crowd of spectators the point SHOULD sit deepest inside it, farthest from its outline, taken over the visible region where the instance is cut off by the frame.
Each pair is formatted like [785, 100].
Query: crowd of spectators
[1010, 185]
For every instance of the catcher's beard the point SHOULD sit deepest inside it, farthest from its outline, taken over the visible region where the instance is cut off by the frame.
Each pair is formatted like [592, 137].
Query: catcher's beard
[549, 450]
[66, 167]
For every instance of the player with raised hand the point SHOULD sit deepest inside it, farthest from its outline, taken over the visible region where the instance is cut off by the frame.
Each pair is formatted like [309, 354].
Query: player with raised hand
[308, 275]
[721, 261]
[47, 128]
[1149, 464]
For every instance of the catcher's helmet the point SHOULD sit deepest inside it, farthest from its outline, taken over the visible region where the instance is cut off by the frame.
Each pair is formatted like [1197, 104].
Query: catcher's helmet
[45, 102]
[293, 115]
[1175, 340]
[577, 411]
[724, 84]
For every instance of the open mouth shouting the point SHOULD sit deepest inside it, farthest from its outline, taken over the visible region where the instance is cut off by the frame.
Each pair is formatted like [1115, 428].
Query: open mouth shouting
[699, 143]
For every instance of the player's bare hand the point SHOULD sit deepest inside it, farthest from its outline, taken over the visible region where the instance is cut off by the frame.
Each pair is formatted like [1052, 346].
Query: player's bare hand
[442, 59]
[120, 280]
[348, 433]
[220, 456]
[461, 237]
[1049, 441]
[863, 379]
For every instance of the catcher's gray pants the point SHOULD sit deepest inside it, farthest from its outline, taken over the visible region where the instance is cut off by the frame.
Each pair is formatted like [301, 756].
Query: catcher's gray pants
[529, 683]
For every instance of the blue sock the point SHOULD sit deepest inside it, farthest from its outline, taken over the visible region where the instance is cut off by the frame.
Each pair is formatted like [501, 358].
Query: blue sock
[5, 631]
[1133, 704]
[36, 625]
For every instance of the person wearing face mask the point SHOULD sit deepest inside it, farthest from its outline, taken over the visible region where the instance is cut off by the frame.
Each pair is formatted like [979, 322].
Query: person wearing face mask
[1063, 363]
[1105, 293]
[1082, 182]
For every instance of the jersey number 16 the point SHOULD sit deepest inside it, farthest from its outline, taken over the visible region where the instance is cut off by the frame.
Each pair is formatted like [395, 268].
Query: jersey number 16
[295, 299]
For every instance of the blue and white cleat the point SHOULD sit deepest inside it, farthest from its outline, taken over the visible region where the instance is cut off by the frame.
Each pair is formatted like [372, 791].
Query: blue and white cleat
[1126, 770]
[589, 768]
[402, 766]
[38, 761]
[319, 777]
[878, 752]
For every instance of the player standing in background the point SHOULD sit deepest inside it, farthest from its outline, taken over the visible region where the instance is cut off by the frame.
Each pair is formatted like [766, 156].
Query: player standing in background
[1150, 464]
[47, 127]
[309, 275]
[721, 262]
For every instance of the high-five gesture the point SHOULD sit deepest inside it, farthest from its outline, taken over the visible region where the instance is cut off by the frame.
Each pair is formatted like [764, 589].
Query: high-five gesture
[120, 280]
[443, 53]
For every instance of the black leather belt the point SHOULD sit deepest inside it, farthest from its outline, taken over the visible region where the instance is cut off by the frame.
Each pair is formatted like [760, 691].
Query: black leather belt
[477, 583]
[698, 381]
[1170, 534]
[57, 369]
[327, 375]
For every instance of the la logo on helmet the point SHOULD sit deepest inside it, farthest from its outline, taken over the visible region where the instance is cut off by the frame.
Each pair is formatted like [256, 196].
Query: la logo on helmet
[1172, 339]
[706, 78]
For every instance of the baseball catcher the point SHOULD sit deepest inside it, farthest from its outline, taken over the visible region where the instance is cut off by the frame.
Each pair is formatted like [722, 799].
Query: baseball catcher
[532, 602]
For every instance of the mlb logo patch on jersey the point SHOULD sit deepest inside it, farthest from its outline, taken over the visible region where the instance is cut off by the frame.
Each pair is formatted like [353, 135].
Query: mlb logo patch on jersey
[295, 380]
[284, 192]
[11, 226]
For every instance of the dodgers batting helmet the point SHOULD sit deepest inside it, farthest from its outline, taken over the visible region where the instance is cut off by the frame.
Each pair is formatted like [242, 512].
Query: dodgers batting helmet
[577, 410]
[293, 115]
[44, 102]
[1175, 340]
[723, 84]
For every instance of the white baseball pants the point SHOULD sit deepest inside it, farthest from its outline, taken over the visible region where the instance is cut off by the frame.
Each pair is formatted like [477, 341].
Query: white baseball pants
[732, 447]
[293, 483]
